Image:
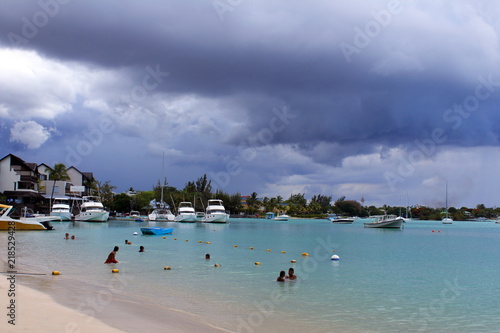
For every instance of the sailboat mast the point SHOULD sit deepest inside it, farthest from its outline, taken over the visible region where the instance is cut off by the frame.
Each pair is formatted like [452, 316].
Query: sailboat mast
[162, 176]
[446, 199]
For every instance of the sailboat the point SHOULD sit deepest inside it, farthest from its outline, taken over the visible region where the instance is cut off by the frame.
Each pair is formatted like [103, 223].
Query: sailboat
[447, 219]
[161, 211]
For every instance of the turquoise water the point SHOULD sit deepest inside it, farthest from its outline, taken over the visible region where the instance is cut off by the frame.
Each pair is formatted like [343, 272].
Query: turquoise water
[427, 277]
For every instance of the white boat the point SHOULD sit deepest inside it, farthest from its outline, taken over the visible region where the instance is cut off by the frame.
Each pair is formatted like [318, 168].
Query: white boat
[186, 212]
[282, 217]
[28, 215]
[334, 218]
[215, 212]
[61, 210]
[161, 212]
[10, 224]
[134, 214]
[447, 219]
[385, 221]
[92, 210]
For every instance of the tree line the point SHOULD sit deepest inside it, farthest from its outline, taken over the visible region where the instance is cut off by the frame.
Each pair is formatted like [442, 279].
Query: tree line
[200, 191]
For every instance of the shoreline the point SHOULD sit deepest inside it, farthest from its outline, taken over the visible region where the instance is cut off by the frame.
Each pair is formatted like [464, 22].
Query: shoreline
[42, 304]
[36, 311]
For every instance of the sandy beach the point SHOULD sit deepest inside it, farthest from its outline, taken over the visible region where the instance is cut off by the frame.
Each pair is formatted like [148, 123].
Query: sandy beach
[37, 311]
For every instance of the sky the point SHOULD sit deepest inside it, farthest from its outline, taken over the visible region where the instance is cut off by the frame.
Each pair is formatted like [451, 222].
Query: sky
[388, 101]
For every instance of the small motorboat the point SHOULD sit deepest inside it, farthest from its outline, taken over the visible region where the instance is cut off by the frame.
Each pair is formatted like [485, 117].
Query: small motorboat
[385, 221]
[156, 231]
[334, 218]
[282, 217]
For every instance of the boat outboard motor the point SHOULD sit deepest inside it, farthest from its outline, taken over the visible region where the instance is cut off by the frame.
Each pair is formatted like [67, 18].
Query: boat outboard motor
[47, 225]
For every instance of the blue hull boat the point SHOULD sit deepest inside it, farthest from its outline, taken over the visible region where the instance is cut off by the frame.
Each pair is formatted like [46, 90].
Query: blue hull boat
[156, 231]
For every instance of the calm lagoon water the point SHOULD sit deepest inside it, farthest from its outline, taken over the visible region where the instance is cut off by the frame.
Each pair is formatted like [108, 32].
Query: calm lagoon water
[427, 277]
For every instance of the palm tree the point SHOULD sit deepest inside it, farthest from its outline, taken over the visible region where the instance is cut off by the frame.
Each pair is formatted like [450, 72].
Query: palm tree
[58, 173]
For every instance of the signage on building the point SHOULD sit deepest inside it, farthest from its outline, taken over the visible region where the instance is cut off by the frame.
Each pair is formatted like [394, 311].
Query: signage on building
[77, 188]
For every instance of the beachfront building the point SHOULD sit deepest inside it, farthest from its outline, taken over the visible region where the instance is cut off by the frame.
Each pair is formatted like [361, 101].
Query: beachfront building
[28, 185]
[19, 181]
[79, 178]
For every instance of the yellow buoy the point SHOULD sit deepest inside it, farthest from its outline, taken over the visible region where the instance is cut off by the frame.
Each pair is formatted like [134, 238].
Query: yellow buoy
[293, 261]
[208, 242]
[55, 273]
[236, 246]
[167, 268]
[251, 248]
[164, 237]
[257, 263]
[283, 252]
[200, 242]
[187, 240]
[175, 238]
[114, 270]
[268, 250]
[305, 254]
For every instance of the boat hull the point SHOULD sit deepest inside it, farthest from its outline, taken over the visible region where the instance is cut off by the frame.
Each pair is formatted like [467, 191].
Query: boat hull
[186, 218]
[64, 216]
[161, 216]
[394, 224]
[92, 216]
[342, 221]
[156, 231]
[215, 218]
[9, 224]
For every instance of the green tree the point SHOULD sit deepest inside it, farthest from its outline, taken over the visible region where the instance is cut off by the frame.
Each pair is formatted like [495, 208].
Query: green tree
[252, 203]
[58, 173]
[91, 186]
[349, 207]
[106, 193]
[121, 203]
[323, 201]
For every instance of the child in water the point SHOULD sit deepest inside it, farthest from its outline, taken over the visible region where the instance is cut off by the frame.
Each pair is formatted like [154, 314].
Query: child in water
[111, 257]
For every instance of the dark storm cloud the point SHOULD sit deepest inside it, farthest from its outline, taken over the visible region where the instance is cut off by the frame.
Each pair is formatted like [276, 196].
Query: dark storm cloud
[287, 58]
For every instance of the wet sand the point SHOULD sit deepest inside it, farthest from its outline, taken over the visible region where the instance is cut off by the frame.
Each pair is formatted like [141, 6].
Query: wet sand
[37, 311]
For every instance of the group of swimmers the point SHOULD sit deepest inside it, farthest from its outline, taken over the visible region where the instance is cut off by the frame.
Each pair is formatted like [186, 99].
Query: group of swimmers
[67, 236]
[283, 277]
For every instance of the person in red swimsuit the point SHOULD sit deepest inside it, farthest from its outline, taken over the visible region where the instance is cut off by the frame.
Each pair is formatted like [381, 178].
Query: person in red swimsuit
[111, 257]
